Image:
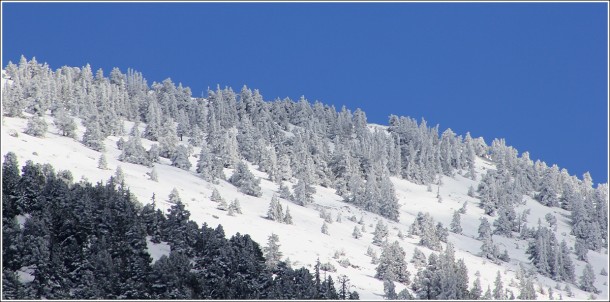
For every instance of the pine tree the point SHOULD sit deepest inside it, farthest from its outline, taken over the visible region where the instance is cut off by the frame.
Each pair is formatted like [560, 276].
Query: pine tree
[498, 293]
[419, 258]
[356, 233]
[243, 179]
[65, 123]
[477, 289]
[389, 290]
[36, 126]
[118, 175]
[303, 193]
[272, 252]
[324, 228]
[587, 279]
[392, 265]
[288, 217]
[381, 233]
[235, 206]
[133, 151]
[153, 174]
[215, 197]
[180, 158]
[101, 163]
[275, 211]
[455, 223]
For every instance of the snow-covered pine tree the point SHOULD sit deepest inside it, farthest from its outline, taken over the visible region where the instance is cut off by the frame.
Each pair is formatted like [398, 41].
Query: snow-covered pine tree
[498, 293]
[381, 233]
[102, 163]
[392, 264]
[133, 151]
[587, 279]
[324, 228]
[65, 123]
[455, 223]
[235, 206]
[36, 126]
[303, 193]
[275, 211]
[180, 158]
[272, 252]
[153, 174]
[356, 233]
[243, 179]
[288, 217]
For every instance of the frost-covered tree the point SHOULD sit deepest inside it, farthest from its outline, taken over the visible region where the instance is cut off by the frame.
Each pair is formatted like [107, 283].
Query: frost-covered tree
[119, 176]
[93, 137]
[324, 228]
[168, 139]
[65, 123]
[303, 192]
[389, 290]
[180, 158]
[102, 163]
[153, 174]
[392, 264]
[235, 206]
[484, 229]
[419, 258]
[272, 252]
[456, 226]
[477, 290]
[133, 151]
[215, 197]
[587, 279]
[356, 233]
[275, 211]
[209, 165]
[498, 293]
[36, 126]
[243, 179]
[381, 233]
[288, 217]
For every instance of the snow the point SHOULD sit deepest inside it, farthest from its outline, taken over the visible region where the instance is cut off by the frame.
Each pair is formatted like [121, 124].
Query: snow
[303, 242]
[157, 250]
[25, 274]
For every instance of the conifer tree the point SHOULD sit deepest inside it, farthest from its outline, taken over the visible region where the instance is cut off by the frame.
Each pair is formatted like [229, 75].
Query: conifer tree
[392, 264]
[101, 163]
[587, 279]
[235, 206]
[275, 211]
[243, 179]
[36, 126]
[498, 293]
[356, 233]
[381, 233]
[153, 174]
[288, 217]
[324, 229]
[180, 158]
[272, 252]
[65, 123]
[455, 223]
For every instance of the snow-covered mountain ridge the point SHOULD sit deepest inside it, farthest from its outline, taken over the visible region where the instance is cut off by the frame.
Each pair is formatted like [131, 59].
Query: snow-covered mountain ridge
[303, 242]
[357, 170]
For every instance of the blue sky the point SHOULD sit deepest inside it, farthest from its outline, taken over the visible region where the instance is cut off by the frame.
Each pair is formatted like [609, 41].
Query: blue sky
[532, 73]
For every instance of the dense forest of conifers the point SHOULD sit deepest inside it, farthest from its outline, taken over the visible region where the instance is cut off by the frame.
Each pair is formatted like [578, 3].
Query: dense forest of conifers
[85, 241]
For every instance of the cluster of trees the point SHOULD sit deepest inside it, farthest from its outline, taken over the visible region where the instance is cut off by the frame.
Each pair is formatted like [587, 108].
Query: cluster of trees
[84, 241]
[430, 235]
[314, 144]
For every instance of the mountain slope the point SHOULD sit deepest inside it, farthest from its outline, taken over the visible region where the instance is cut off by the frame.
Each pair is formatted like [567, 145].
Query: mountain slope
[303, 241]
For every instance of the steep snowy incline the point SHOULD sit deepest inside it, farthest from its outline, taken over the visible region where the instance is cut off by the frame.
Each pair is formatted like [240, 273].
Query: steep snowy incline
[303, 241]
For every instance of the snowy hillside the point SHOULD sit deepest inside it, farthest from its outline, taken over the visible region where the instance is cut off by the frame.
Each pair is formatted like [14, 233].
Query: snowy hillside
[302, 242]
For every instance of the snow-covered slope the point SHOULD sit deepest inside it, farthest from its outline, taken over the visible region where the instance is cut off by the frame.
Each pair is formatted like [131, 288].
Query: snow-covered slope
[303, 241]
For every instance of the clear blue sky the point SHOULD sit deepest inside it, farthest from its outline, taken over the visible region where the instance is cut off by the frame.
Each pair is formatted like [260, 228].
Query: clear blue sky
[532, 73]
